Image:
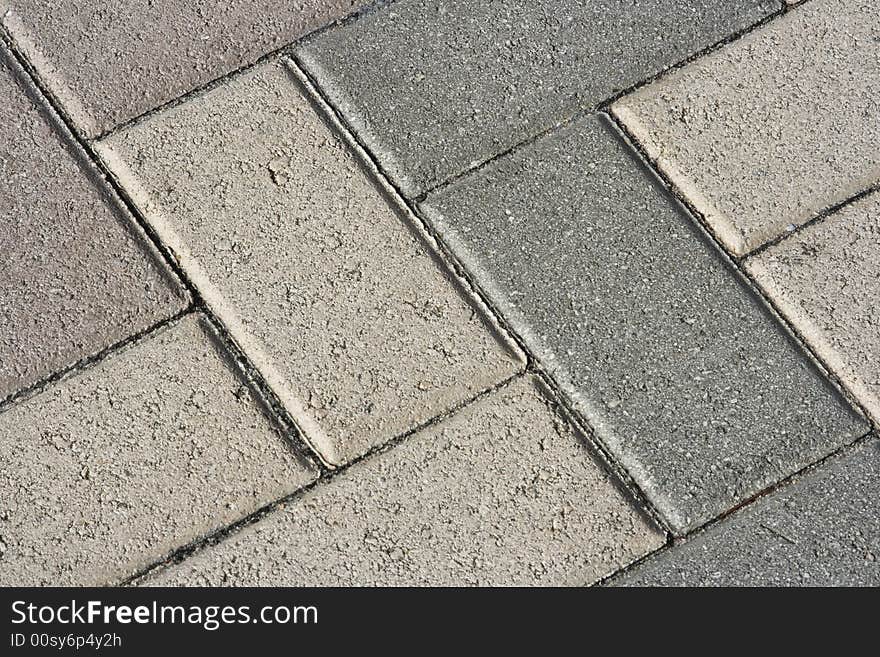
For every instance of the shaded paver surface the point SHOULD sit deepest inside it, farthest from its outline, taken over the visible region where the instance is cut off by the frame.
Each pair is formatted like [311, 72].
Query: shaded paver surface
[425, 292]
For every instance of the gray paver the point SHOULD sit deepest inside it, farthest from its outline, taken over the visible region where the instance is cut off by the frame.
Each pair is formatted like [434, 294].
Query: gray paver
[335, 299]
[434, 86]
[824, 530]
[113, 468]
[682, 371]
[769, 130]
[826, 279]
[502, 492]
[109, 62]
[75, 274]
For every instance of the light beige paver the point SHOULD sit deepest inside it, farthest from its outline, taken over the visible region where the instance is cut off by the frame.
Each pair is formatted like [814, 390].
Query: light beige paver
[111, 469]
[502, 492]
[338, 302]
[771, 129]
[826, 279]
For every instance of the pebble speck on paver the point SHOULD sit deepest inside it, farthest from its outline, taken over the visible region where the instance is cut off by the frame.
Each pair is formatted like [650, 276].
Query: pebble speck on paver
[422, 292]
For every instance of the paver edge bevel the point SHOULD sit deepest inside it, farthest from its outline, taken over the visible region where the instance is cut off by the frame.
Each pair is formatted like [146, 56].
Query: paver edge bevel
[21, 36]
[778, 487]
[31, 85]
[813, 334]
[557, 375]
[326, 475]
[548, 397]
[125, 219]
[737, 265]
[297, 50]
[414, 209]
[310, 431]
[119, 193]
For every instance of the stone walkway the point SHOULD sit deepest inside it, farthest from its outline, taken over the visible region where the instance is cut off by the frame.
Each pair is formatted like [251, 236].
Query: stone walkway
[432, 292]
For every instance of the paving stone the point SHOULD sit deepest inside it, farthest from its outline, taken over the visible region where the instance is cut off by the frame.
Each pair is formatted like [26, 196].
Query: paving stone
[682, 371]
[114, 467]
[334, 297]
[109, 62]
[502, 492]
[75, 274]
[823, 530]
[768, 131]
[435, 86]
[826, 279]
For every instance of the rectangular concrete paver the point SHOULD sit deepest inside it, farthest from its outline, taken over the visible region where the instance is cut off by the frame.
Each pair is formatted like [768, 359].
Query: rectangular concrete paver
[114, 467]
[768, 131]
[436, 85]
[502, 492]
[76, 275]
[337, 301]
[823, 530]
[682, 371]
[109, 62]
[826, 279]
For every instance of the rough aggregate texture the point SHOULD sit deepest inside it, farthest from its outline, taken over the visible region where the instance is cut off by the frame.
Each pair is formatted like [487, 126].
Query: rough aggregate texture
[75, 274]
[502, 492]
[111, 61]
[337, 301]
[434, 86]
[113, 468]
[768, 131]
[681, 370]
[826, 279]
[823, 530]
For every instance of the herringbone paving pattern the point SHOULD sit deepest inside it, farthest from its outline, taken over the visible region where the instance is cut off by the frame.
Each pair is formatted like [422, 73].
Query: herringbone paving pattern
[429, 292]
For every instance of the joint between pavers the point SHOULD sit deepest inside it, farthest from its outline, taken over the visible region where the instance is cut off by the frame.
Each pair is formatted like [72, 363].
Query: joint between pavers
[326, 475]
[738, 264]
[273, 55]
[818, 218]
[770, 490]
[118, 192]
[533, 365]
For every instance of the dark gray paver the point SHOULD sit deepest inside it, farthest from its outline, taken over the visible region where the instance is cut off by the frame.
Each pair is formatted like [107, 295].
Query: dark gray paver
[75, 274]
[111, 61]
[502, 492]
[823, 530]
[111, 469]
[315, 273]
[434, 86]
[763, 134]
[826, 280]
[682, 371]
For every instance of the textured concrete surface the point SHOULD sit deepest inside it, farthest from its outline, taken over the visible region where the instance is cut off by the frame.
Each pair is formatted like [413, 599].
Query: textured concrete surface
[683, 373]
[109, 62]
[826, 279]
[502, 492]
[768, 131]
[113, 468]
[337, 301]
[75, 274]
[823, 530]
[438, 85]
